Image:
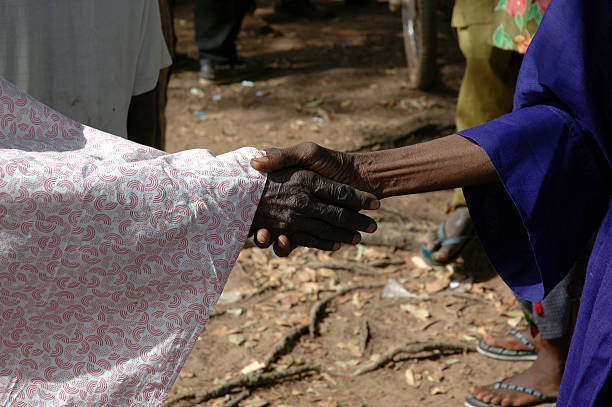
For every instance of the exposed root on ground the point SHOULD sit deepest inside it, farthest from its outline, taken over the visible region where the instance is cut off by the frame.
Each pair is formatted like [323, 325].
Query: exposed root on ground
[318, 309]
[249, 381]
[293, 335]
[357, 268]
[285, 344]
[239, 397]
[364, 336]
[414, 348]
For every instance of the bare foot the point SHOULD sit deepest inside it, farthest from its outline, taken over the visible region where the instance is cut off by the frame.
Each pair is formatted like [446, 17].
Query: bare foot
[543, 376]
[457, 224]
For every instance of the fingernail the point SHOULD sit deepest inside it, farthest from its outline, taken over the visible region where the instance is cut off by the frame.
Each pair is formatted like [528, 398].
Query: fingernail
[356, 238]
[336, 246]
[374, 204]
[261, 160]
[372, 228]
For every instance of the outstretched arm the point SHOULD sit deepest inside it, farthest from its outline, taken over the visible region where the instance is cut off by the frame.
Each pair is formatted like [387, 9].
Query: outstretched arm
[447, 162]
[444, 163]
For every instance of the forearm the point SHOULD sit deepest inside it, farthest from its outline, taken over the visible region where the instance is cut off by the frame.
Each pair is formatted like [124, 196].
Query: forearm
[448, 162]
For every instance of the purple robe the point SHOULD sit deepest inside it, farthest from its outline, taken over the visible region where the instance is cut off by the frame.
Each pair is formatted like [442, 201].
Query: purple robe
[553, 156]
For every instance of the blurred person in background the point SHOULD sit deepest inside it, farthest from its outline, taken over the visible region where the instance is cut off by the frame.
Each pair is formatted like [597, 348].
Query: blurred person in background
[98, 61]
[217, 24]
[309, 8]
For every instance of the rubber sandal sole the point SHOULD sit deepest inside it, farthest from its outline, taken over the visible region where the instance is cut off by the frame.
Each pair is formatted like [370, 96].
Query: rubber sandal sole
[510, 355]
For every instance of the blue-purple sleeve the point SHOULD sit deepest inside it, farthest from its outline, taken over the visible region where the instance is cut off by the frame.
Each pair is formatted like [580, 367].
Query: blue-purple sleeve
[549, 202]
[552, 153]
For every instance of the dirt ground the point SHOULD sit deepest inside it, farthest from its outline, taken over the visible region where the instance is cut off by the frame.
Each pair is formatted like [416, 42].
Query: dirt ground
[342, 83]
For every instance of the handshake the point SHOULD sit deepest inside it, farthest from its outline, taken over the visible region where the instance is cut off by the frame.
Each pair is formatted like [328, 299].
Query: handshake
[312, 198]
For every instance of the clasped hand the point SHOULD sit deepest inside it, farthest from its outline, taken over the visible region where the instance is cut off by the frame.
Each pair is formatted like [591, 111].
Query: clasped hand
[302, 208]
[307, 208]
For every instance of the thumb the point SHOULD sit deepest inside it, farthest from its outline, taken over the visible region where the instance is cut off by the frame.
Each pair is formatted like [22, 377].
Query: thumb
[272, 161]
[279, 158]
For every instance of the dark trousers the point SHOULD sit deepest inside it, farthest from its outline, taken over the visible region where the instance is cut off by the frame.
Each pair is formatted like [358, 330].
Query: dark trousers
[217, 24]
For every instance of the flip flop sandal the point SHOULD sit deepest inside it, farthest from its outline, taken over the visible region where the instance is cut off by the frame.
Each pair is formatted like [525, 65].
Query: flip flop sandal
[501, 353]
[472, 401]
[453, 241]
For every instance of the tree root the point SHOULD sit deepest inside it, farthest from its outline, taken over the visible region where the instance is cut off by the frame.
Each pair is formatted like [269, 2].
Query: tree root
[236, 400]
[250, 381]
[357, 268]
[414, 348]
[364, 336]
[386, 262]
[317, 310]
[406, 236]
[285, 343]
[293, 335]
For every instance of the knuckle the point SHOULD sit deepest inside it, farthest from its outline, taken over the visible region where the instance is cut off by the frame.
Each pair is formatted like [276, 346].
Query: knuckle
[341, 215]
[310, 150]
[300, 201]
[343, 193]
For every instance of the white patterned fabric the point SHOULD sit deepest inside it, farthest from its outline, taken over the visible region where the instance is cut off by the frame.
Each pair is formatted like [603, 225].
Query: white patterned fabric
[112, 256]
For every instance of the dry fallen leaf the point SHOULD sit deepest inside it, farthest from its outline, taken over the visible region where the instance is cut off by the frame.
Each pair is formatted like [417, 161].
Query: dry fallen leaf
[255, 402]
[186, 374]
[346, 363]
[354, 349]
[451, 362]
[357, 302]
[307, 274]
[438, 285]
[420, 263]
[224, 331]
[236, 339]
[252, 367]
[439, 390]
[235, 311]
[410, 378]
[419, 313]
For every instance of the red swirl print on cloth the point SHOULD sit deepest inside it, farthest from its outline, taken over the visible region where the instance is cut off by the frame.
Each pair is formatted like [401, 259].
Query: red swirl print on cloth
[112, 256]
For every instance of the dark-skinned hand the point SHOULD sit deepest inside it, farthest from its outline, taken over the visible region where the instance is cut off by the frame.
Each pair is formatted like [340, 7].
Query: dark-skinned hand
[338, 166]
[306, 209]
[335, 165]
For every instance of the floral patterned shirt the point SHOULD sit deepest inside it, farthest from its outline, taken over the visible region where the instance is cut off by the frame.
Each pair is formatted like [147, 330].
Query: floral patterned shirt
[515, 23]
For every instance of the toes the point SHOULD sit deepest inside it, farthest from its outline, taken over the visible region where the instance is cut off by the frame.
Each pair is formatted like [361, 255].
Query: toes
[432, 242]
[444, 253]
[486, 397]
[495, 399]
[477, 391]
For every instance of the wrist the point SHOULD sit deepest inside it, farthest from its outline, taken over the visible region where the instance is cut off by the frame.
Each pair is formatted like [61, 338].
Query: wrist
[444, 163]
